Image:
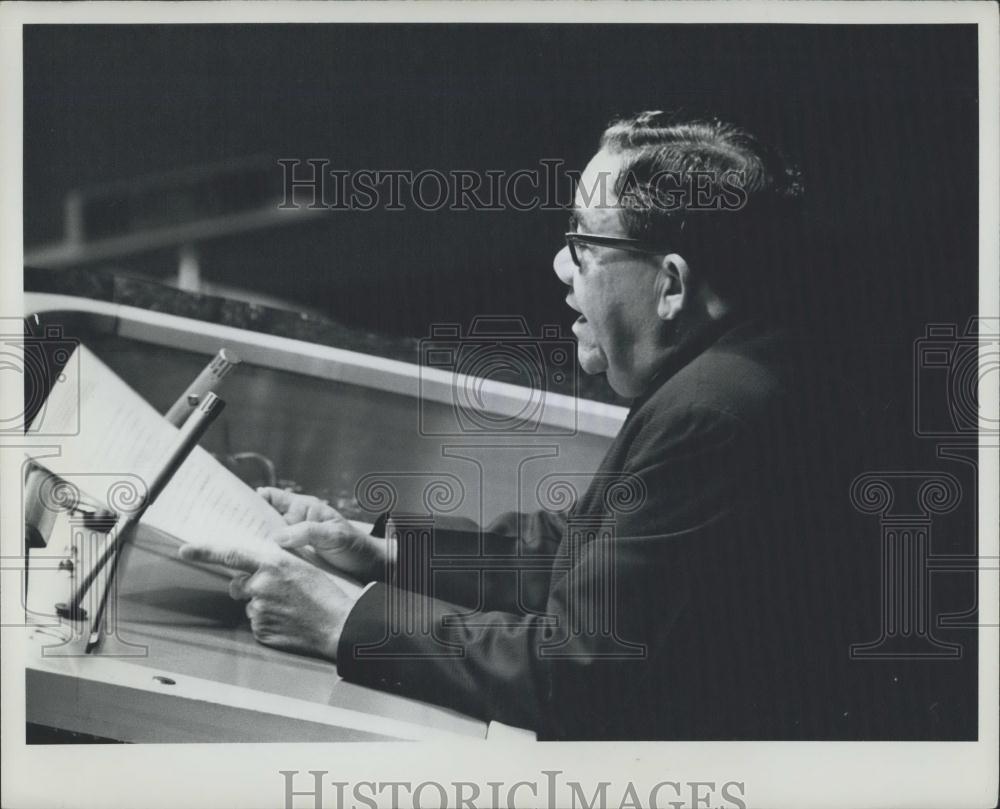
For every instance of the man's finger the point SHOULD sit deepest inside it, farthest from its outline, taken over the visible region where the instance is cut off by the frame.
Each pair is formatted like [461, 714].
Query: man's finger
[237, 587]
[319, 510]
[278, 498]
[306, 533]
[296, 511]
[238, 558]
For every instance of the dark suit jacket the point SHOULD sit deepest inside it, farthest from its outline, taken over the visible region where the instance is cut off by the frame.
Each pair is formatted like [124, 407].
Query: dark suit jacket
[691, 593]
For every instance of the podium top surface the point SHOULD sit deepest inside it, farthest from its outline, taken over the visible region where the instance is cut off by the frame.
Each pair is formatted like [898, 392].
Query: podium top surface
[176, 618]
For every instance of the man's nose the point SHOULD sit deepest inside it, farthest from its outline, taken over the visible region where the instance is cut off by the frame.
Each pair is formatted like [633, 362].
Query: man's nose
[564, 266]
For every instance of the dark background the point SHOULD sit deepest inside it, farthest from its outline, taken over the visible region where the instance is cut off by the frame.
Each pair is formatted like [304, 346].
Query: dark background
[881, 119]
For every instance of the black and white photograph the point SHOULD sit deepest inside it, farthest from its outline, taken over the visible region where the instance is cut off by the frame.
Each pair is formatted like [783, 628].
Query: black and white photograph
[614, 385]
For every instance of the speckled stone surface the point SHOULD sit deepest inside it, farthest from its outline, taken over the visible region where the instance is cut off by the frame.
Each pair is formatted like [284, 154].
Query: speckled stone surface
[158, 297]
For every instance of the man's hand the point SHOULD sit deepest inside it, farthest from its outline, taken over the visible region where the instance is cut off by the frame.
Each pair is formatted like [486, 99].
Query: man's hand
[290, 603]
[336, 539]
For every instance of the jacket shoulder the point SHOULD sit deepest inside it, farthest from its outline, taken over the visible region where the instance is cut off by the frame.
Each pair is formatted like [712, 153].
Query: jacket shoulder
[744, 376]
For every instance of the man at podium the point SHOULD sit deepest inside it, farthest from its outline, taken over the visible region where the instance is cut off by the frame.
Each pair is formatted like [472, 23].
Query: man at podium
[702, 607]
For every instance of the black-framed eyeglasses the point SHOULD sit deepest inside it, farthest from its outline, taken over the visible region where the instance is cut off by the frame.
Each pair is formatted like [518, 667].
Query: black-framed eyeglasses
[618, 242]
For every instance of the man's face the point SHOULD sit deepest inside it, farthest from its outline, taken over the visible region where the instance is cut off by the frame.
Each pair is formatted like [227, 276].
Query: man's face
[612, 289]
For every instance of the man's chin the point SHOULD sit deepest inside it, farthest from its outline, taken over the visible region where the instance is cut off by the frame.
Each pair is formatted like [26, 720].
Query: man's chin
[592, 360]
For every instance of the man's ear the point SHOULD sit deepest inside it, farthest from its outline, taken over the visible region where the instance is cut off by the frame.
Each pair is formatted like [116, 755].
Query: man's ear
[673, 287]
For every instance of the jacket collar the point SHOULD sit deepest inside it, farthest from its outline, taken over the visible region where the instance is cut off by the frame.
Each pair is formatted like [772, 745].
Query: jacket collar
[718, 331]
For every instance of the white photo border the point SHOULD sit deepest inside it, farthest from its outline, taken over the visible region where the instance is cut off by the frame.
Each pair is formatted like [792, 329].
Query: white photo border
[777, 774]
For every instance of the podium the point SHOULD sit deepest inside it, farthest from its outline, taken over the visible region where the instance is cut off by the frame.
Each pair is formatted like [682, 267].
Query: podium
[182, 664]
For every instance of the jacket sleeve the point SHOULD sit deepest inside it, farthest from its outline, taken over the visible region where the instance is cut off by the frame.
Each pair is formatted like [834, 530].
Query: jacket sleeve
[506, 567]
[616, 596]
